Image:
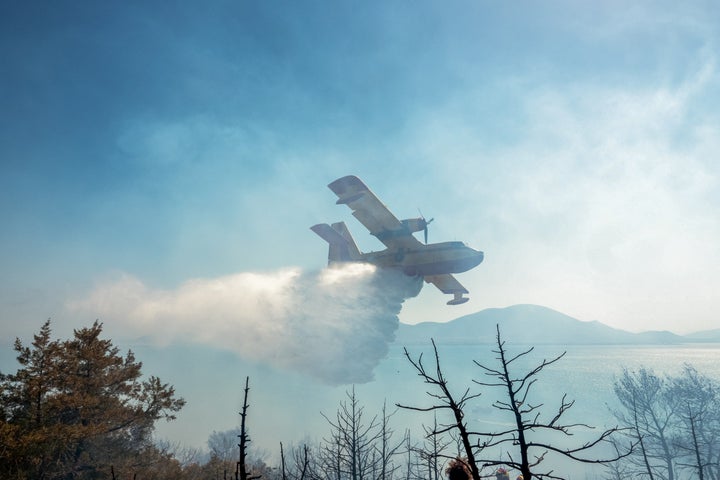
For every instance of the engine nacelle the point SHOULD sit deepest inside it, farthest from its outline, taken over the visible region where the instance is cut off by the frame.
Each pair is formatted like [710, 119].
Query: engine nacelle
[415, 224]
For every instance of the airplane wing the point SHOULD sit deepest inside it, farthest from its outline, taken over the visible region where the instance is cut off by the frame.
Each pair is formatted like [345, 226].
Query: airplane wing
[446, 283]
[372, 213]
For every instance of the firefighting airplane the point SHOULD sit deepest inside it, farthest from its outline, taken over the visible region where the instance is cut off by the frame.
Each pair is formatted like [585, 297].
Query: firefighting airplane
[435, 262]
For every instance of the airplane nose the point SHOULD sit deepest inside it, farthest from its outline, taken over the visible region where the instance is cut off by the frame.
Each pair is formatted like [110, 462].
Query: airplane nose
[472, 259]
[477, 257]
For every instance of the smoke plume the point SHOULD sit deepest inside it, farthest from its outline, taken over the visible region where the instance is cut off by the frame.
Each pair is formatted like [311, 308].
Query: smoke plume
[334, 325]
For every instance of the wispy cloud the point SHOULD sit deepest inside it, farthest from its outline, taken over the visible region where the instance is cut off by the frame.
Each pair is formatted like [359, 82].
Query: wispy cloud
[601, 208]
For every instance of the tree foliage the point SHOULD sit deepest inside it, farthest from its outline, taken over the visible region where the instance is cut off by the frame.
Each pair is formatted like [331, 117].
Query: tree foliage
[76, 408]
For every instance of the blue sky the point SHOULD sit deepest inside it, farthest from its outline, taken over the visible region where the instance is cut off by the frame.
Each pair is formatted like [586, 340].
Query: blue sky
[153, 144]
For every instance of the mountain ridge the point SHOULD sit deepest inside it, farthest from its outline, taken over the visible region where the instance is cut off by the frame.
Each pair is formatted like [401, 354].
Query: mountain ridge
[538, 325]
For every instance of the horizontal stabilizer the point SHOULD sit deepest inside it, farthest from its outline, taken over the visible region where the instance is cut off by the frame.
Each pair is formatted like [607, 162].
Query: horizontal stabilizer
[327, 233]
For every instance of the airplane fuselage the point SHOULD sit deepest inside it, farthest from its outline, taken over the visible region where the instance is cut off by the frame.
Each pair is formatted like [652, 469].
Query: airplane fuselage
[431, 259]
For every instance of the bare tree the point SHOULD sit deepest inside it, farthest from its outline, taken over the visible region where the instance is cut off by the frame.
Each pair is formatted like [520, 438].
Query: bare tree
[617, 470]
[351, 451]
[283, 470]
[443, 402]
[387, 449]
[241, 471]
[410, 464]
[693, 419]
[530, 437]
[222, 444]
[649, 412]
[676, 422]
[531, 433]
[698, 422]
[302, 464]
[425, 461]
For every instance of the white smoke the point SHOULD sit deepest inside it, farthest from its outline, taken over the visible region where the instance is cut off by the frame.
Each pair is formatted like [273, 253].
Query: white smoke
[334, 324]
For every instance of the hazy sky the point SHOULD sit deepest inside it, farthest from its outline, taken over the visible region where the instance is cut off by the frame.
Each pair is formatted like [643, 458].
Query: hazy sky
[165, 150]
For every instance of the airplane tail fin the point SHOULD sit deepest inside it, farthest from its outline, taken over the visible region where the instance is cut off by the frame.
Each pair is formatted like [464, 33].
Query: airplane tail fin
[342, 245]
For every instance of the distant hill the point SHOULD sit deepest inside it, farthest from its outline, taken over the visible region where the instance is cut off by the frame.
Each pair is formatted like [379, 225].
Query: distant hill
[533, 324]
[711, 336]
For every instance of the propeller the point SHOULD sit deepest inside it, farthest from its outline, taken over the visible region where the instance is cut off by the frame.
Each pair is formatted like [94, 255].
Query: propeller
[425, 225]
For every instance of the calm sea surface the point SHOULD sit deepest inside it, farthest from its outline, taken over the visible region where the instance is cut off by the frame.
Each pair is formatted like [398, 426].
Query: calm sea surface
[594, 366]
[585, 373]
